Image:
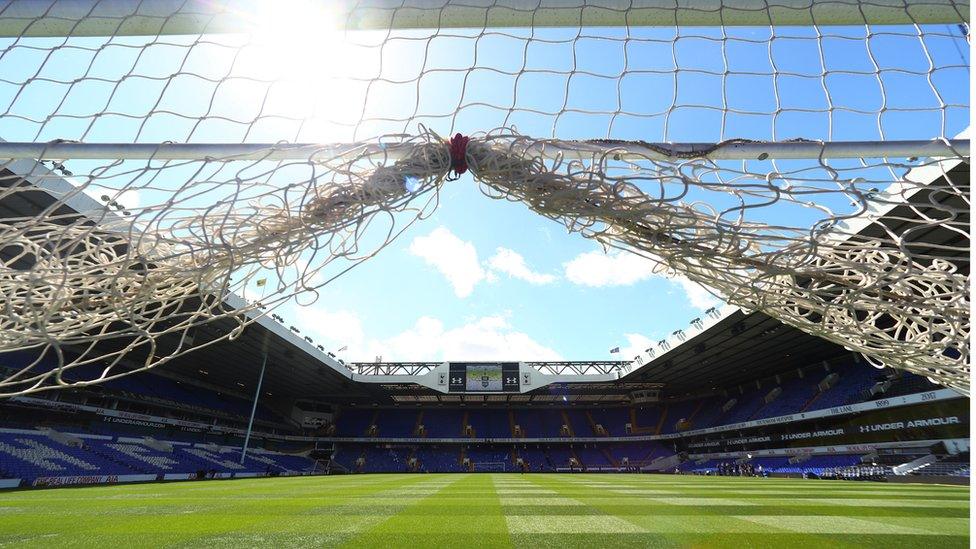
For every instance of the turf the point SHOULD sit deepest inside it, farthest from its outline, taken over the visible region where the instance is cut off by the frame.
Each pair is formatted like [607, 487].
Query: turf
[490, 510]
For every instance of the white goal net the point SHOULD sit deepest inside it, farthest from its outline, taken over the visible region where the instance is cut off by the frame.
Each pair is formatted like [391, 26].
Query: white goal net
[489, 466]
[794, 156]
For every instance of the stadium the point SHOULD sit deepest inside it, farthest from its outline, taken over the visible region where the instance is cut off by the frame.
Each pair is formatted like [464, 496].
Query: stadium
[247, 293]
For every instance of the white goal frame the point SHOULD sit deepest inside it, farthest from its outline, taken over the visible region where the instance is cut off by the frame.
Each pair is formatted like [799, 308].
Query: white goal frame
[489, 466]
[548, 149]
[163, 17]
[46, 18]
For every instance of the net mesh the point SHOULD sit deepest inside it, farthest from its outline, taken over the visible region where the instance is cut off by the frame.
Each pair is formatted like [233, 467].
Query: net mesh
[113, 259]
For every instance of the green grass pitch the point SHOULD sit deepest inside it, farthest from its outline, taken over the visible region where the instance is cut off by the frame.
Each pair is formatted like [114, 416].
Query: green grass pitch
[490, 510]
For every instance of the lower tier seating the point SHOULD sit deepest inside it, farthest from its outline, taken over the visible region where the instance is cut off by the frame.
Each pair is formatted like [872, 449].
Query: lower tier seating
[29, 455]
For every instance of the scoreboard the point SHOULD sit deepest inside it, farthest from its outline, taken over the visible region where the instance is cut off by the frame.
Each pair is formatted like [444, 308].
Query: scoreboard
[483, 377]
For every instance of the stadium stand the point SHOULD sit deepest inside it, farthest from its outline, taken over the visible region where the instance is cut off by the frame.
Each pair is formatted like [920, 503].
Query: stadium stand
[613, 420]
[117, 449]
[797, 395]
[353, 423]
[396, 423]
[489, 458]
[809, 390]
[31, 455]
[166, 425]
[438, 460]
[490, 423]
[443, 423]
[736, 391]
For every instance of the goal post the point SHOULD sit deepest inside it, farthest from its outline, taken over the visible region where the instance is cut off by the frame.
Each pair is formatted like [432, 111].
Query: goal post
[46, 18]
[545, 148]
[489, 466]
[794, 157]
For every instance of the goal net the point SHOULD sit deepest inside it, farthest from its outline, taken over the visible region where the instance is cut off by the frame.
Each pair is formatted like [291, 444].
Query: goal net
[489, 466]
[160, 159]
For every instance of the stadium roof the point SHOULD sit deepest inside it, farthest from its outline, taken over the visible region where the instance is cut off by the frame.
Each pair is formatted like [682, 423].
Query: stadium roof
[739, 348]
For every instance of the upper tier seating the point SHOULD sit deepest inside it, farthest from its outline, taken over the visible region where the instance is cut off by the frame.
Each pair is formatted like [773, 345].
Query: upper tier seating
[353, 423]
[614, 420]
[396, 423]
[490, 423]
[443, 423]
[798, 394]
[149, 387]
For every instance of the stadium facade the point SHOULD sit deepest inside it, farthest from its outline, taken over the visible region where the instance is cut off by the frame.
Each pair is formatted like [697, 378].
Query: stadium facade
[732, 391]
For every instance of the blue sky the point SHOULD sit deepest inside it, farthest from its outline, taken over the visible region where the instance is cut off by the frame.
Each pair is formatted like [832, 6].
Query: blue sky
[480, 278]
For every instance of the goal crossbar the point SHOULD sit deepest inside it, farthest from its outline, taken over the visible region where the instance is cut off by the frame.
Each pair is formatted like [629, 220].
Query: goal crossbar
[40, 18]
[624, 150]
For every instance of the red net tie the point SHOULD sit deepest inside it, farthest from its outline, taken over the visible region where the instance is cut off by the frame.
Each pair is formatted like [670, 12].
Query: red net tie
[459, 161]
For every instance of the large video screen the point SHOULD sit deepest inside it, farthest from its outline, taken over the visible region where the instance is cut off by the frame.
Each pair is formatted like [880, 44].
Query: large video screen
[484, 377]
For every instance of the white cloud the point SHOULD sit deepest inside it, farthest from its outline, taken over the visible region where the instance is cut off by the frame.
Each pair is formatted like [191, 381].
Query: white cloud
[339, 328]
[698, 296]
[599, 269]
[249, 291]
[129, 199]
[485, 338]
[636, 344]
[454, 258]
[513, 264]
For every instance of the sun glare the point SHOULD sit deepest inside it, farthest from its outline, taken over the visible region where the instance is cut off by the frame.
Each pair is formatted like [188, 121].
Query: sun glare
[319, 75]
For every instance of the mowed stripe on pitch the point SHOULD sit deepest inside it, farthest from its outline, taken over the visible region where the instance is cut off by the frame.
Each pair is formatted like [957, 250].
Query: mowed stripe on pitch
[812, 524]
[816, 524]
[490, 510]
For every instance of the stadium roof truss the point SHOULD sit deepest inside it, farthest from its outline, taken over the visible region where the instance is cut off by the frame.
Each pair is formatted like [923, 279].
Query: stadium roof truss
[552, 368]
